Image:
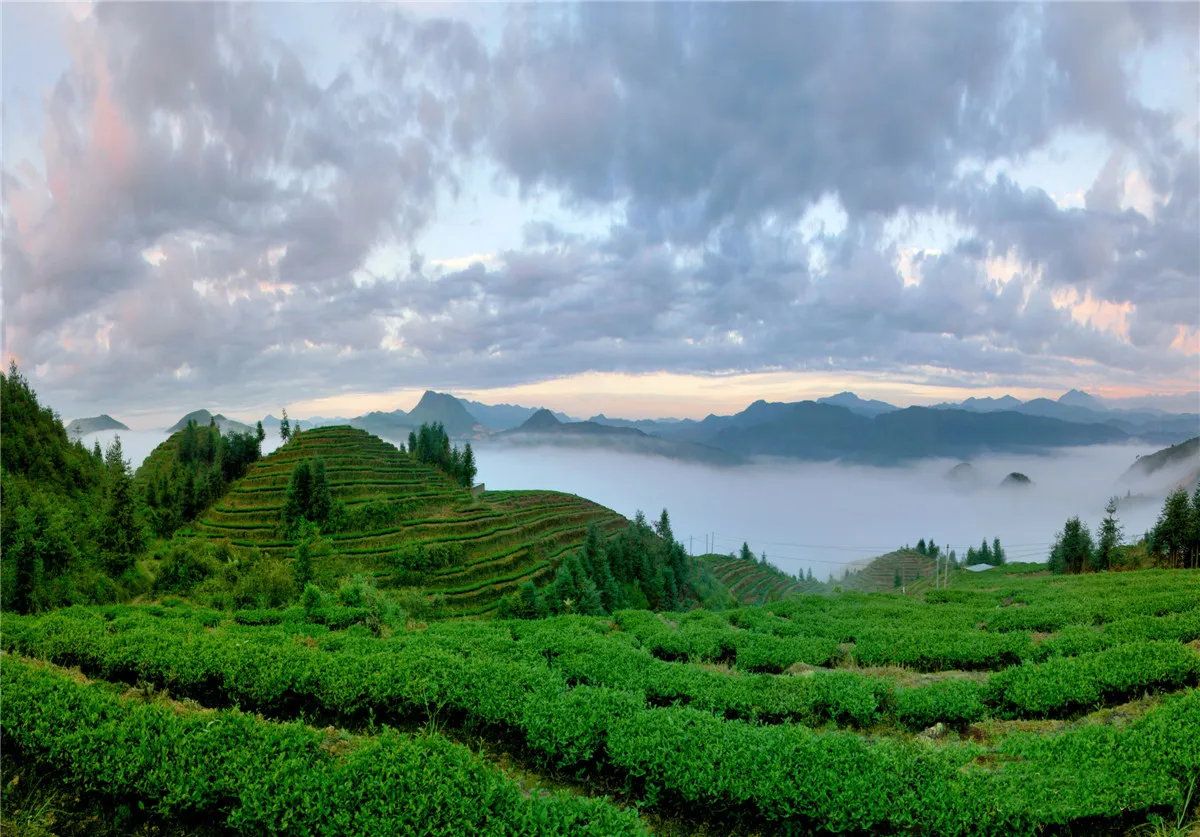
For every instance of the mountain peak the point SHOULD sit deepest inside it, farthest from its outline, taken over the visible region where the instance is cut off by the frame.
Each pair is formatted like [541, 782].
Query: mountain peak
[443, 407]
[1078, 398]
[541, 420]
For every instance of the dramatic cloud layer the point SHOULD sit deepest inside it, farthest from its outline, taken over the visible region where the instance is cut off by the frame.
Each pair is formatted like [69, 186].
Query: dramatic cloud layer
[220, 205]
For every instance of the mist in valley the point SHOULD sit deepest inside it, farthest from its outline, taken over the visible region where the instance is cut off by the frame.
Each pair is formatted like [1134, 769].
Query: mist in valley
[822, 516]
[828, 516]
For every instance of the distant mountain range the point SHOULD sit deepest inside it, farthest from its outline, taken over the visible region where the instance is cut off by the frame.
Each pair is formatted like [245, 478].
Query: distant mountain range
[841, 427]
[83, 426]
[544, 427]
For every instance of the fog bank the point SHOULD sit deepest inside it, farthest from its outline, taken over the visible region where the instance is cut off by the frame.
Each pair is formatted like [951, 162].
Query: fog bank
[826, 516]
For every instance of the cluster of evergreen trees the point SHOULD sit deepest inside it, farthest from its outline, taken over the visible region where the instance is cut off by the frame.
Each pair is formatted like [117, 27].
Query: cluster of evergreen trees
[1175, 539]
[431, 444]
[1075, 551]
[642, 567]
[308, 497]
[198, 472]
[992, 555]
[1174, 542]
[71, 525]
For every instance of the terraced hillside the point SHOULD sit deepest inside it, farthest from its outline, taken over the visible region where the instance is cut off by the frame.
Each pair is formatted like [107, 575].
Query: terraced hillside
[916, 573]
[487, 546]
[753, 583]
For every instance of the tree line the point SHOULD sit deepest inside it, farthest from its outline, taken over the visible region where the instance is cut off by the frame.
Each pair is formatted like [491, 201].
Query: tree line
[1173, 542]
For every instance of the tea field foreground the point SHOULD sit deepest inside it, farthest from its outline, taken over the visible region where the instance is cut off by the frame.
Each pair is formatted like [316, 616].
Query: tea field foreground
[1009, 703]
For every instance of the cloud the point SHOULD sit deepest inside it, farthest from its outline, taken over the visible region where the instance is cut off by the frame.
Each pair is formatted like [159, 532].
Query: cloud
[205, 201]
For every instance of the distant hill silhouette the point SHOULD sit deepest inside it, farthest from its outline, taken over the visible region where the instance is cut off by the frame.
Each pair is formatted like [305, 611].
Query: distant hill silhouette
[1184, 457]
[823, 432]
[543, 427]
[1016, 480]
[82, 426]
[204, 417]
[503, 416]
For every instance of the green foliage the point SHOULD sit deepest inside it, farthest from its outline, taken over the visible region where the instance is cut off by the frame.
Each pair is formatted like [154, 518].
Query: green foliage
[1073, 548]
[1067, 684]
[215, 765]
[52, 495]
[1105, 555]
[430, 444]
[643, 566]
[1175, 539]
[189, 472]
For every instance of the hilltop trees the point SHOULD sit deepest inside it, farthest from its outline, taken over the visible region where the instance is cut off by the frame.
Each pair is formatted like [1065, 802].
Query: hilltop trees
[285, 428]
[992, 555]
[431, 444]
[192, 474]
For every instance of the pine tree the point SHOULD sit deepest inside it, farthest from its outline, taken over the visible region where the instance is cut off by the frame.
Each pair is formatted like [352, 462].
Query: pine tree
[1194, 538]
[747, 555]
[469, 468]
[1110, 538]
[1172, 532]
[985, 553]
[285, 427]
[920, 547]
[298, 503]
[120, 537]
[412, 443]
[997, 552]
[1073, 548]
[321, 502]
[259, 433]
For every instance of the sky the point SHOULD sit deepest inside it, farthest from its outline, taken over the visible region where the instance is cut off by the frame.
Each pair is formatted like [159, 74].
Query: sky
[638, 209]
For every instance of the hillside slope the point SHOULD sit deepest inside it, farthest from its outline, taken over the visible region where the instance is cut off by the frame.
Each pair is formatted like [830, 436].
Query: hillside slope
[755, 583]
[916, 572]
[408, 523]
[1165, 458]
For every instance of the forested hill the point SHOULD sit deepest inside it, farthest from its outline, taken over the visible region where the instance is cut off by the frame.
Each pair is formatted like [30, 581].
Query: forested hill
[70, 531]
[93, 424]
